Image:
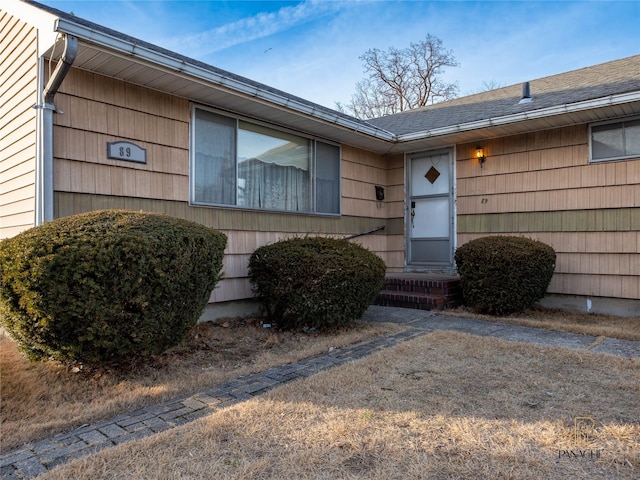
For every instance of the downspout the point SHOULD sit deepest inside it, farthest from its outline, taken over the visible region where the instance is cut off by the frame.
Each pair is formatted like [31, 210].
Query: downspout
[44, 161]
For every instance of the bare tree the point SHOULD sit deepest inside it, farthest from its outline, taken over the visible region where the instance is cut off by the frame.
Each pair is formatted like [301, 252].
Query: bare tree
[492, 84]
[400, 80]
[487, 86]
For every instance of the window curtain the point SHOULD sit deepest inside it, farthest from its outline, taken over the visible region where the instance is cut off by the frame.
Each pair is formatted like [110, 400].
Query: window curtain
[273, 169]
[273, 187]
[242, 164]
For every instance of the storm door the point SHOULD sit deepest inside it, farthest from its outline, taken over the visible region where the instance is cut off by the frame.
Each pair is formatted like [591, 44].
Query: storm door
[430, 209]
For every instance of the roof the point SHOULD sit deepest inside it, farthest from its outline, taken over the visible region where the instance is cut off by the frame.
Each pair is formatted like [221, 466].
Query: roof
[181, 58]
[608, 90]
[603, 80]
[107, 52]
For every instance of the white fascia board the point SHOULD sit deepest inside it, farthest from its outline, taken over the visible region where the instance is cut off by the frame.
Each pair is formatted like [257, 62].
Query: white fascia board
[607, 101]
[189, 70]
[43, 21]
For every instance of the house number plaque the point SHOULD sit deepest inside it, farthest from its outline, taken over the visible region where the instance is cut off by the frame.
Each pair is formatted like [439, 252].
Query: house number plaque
[126, 151]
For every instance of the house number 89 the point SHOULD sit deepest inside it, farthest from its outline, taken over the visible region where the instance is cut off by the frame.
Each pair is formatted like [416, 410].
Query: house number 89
[126, 151]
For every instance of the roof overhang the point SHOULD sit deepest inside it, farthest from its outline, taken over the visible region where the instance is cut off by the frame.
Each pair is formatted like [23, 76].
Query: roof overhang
[613, 106]
[119, 58]
[108, 53]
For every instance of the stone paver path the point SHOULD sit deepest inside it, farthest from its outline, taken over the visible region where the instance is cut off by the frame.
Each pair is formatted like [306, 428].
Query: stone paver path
[37, 457]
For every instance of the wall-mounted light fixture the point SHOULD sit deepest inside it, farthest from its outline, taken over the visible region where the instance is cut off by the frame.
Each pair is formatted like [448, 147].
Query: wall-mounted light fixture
[480, 155]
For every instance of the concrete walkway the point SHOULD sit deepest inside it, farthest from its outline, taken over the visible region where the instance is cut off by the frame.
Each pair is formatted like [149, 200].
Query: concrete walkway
[35, 458]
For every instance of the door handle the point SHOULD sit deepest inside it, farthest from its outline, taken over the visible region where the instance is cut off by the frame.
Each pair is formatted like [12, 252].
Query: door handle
[413, 212]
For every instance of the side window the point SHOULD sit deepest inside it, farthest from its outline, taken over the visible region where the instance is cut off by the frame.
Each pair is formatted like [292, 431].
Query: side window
[615, 140]
[214, 163]
[327, 178]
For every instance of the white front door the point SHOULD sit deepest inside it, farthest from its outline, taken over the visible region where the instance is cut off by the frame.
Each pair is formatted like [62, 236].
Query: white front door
[430, 210]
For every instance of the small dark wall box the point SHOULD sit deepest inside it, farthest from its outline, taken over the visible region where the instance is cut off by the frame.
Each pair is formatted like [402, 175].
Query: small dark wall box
[379, 193]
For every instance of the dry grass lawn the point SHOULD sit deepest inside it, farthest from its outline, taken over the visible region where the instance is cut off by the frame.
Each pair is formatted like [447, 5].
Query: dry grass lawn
[598, 325]
[40, 399]
[443, 406]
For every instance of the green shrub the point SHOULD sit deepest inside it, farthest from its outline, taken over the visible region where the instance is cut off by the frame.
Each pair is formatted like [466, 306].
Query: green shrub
[315, 282]
[502, 274]
[106, 285]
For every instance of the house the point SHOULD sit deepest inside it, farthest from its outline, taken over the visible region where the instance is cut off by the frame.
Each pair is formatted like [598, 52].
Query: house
[93, 119]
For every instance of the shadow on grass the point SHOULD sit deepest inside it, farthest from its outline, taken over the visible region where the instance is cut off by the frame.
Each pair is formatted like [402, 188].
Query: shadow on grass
[446, 405]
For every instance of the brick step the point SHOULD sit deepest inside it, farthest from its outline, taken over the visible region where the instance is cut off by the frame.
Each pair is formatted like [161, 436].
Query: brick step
[419, 301]
[420, 291]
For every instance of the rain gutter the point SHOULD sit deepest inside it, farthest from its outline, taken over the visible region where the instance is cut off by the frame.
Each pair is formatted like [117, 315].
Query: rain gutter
[189, 70]
[182, 67]
[608, 101]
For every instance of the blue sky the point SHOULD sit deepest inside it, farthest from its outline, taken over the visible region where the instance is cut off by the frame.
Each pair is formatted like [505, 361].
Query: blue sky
[311, 48]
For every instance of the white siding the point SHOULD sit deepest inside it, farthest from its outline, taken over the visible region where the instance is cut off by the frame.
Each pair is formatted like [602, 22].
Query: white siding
[18, 95]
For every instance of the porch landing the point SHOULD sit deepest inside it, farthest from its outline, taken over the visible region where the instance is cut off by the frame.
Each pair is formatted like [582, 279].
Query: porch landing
[422, 291]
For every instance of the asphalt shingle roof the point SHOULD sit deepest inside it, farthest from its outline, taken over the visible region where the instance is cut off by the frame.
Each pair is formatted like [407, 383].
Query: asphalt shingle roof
[598, 81]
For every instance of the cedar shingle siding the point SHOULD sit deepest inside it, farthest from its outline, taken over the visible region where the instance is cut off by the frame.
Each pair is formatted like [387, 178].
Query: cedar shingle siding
[537, 179]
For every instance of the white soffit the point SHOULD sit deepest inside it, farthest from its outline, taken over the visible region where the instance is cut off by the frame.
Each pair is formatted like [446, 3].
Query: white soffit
[465, 134]
[219, 96]
[200, 90]
[116, 57]
[112, 56]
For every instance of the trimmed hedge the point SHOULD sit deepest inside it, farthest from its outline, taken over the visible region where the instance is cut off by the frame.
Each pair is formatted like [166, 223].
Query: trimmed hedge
[107, 285]
[315, 282]
[503, 274]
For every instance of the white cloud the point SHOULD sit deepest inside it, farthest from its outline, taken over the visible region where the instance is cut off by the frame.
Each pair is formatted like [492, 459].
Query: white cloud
[247, 29]
[311, 48]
